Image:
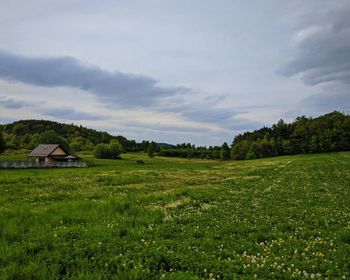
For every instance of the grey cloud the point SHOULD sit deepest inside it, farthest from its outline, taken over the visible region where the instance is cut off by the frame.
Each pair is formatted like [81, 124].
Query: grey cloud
[116, 87]
[69, 113]
[65, 113]
[224, 117]
[242, 124]
[331, 98]
[201, 109]
[322, 53]
[210, 115]
[326, 102]
[11, 103]
[163, 127]
[112, 88]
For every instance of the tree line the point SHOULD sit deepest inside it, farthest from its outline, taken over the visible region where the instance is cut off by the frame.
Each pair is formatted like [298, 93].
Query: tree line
[28, 134]
[327, 133]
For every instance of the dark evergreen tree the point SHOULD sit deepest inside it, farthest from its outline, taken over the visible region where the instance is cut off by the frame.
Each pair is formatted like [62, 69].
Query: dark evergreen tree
[151, 149]
[2, 143]
[225, 152]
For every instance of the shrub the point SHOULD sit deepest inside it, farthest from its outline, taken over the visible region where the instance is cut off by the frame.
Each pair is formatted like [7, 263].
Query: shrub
[112, 150]
[115, 149]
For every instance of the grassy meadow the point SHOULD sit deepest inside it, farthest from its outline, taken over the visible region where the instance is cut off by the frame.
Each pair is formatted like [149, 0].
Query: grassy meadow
[277, 218]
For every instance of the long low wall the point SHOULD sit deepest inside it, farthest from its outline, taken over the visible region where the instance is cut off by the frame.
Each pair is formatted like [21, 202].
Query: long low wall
[33, 164]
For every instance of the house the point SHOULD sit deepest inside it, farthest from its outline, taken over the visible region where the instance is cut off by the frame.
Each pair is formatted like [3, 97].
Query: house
[51, 153]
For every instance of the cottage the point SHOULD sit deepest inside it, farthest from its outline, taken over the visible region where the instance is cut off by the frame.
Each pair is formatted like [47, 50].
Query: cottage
[50, 153]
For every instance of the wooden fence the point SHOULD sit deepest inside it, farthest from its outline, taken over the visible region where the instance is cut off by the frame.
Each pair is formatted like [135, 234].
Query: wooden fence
[33, 164]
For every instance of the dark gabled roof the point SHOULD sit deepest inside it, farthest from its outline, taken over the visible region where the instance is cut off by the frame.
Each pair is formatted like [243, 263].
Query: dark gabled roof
[44, 150]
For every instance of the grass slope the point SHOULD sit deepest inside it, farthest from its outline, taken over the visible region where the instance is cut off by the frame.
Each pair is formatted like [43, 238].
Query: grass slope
[279, 218]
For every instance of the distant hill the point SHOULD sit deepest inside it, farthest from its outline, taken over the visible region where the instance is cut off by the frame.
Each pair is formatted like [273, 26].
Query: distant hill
[29, 133]
[31, 127]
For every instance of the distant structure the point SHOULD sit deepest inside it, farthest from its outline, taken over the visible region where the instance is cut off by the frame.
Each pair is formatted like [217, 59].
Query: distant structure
[51, 153]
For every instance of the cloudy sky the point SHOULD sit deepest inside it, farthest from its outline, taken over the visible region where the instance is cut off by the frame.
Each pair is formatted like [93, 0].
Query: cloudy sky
[173, 71]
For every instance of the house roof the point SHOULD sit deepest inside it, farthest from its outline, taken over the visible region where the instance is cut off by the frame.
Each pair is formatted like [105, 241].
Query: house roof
[44, 150]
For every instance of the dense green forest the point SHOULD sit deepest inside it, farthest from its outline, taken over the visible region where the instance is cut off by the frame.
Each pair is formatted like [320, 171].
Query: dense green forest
[187, 150]
[327, 133]
[27, 134]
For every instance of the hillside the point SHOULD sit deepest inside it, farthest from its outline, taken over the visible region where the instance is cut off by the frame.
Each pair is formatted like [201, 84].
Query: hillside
[327, 133]
[29, 133]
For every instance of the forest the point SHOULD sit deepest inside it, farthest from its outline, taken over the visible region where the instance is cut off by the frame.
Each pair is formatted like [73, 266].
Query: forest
[27, 134]
[327, 133]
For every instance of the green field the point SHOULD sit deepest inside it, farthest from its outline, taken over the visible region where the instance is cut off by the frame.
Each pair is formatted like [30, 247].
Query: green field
[277, 218]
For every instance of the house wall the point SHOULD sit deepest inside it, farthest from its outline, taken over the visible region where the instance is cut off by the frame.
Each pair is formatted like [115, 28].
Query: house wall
[38, 159]
[49, 160]
[58, 152]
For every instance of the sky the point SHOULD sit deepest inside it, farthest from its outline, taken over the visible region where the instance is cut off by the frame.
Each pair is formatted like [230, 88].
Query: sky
[199, 71]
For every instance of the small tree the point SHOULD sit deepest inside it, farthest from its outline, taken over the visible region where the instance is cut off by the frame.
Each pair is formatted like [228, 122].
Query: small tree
[151, 149]
[225, 152]
[2, 144]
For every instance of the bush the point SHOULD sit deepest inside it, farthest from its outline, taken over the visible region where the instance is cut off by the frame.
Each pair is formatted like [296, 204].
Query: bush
[115, 149]
[111, 150]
